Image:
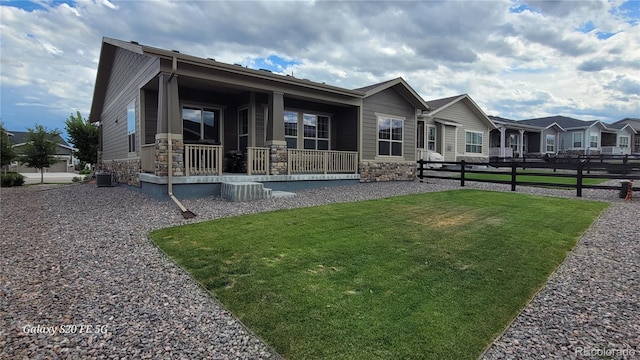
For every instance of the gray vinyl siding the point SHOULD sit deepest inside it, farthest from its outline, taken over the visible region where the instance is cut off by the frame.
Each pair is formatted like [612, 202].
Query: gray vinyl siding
[259, 111]
[450, 142]
[129, 73]
[387, 102]
[462, 114]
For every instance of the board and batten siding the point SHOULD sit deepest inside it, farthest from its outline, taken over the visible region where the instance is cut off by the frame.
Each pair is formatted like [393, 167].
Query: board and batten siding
[130, 72]
[469, 121]
[388, 102]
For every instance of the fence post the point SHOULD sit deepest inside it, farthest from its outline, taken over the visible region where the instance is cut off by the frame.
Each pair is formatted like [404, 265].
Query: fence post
[588, 165]
[421, 169]
[514, 169]
[462, 166]
[579, 179]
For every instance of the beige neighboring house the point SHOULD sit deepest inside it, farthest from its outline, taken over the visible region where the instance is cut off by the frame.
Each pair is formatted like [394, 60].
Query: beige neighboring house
[455, 127]
[64, 154]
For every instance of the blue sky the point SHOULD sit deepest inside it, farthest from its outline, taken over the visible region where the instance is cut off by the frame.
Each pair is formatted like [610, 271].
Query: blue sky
[517, 59]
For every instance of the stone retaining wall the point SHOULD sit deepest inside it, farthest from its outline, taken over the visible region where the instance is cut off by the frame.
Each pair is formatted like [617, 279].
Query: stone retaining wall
[386, 171]
[124, 171]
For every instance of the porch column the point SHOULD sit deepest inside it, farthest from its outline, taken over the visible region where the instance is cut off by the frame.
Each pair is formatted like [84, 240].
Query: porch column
[502, 140]
[275, 126]
[169, 117]
[278, 156]
[521, 143]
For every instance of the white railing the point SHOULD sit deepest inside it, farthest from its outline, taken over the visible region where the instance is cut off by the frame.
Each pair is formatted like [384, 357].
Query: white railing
[148, 158]
[322, 162]
[203, 160]
[615, 150]
[496, 152]
[257, 161]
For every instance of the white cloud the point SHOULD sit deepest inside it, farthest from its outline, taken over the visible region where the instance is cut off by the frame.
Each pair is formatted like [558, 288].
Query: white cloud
[519, 65]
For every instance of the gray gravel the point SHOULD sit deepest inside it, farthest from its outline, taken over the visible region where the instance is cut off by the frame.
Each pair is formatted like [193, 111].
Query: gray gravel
[79, 255]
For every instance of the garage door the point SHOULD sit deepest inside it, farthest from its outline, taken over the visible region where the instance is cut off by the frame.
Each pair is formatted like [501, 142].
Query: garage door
[60, 166]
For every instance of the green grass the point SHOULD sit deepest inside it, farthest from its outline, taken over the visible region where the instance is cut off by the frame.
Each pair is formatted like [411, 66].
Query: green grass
[530, 178]
[433, 276]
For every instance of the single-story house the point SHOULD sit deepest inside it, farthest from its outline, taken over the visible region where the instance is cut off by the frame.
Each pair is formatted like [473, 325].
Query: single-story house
[64, 154]
[165, 116]
[559, 135]
[455, 127]
[634, 123]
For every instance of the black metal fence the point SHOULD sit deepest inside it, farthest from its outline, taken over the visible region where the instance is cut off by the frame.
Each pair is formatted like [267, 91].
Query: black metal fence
[585, 167]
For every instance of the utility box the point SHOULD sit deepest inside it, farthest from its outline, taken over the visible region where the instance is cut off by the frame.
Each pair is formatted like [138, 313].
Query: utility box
[104, 179]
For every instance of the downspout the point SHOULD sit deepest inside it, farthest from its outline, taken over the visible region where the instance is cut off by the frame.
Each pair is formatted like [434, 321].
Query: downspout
[185, 213]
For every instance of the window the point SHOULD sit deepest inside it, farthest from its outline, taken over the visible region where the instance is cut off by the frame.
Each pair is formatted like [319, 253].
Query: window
[201, 124]
[623, 141]
[316, 132]
[431, 138]
[131, 126]
[473, 142]
[593, 140]
[577, 140]
[291, 129]
[243, 129]
[551, 143]
[390, 133]
[513, 142]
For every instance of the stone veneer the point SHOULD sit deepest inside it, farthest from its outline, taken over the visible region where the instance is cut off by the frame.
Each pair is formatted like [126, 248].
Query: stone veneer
[386, 171]
[278, 164]
[123, 171]
[162, 153]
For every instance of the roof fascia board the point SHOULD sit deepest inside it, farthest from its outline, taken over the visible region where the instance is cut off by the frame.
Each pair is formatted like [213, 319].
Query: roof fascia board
[445, 122]
[474, 107]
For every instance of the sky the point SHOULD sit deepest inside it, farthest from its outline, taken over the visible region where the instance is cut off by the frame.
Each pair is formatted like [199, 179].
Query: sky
[517, 59]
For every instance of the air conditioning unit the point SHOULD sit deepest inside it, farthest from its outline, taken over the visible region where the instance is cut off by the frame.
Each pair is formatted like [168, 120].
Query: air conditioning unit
[104, 180]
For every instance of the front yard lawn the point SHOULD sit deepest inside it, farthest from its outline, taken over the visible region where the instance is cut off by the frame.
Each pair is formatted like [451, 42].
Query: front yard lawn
[428, 276]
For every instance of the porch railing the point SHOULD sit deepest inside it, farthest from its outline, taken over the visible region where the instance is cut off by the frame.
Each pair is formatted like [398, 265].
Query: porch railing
[495, 152]
[257, 161]
[615, 150]
[203, 160]
[322, 162]
[148, 158]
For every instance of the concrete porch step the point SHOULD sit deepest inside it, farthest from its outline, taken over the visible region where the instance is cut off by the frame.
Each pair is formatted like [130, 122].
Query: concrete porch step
[282, 195]
[244, 191]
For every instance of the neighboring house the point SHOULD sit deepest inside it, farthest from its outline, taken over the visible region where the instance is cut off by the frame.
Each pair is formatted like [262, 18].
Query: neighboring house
[456, 128]
[559, 134]
[64, 153]
[634, 123]
[170, 117]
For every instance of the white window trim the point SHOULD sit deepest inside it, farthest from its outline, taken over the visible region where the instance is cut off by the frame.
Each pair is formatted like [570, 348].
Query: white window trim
[392, 117]
[546, 144]
[573, 142]
[597, 135]
[481, 145]
[435, 136]
[135, 132]
[628, 140]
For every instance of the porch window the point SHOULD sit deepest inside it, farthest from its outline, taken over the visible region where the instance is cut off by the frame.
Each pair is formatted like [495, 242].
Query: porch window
[593, 140]
[201, 124]
[473, 142]
[623, 142]
[131, 126]
[243, 129]
[550, 143]
[291, 129]
[390, 135]
[431, 138]
[577, 139]
[513, 142]
[316, 132]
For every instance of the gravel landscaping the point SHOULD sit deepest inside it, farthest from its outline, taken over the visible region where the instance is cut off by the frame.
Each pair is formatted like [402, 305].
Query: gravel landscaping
[80, 255]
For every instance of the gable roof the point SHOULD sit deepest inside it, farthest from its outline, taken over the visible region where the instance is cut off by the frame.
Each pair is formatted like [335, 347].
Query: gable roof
[439, 105]
[633, 122]
[563, 121]
[110, 46]
[401, 86]
[621, 126]
[20, 137]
